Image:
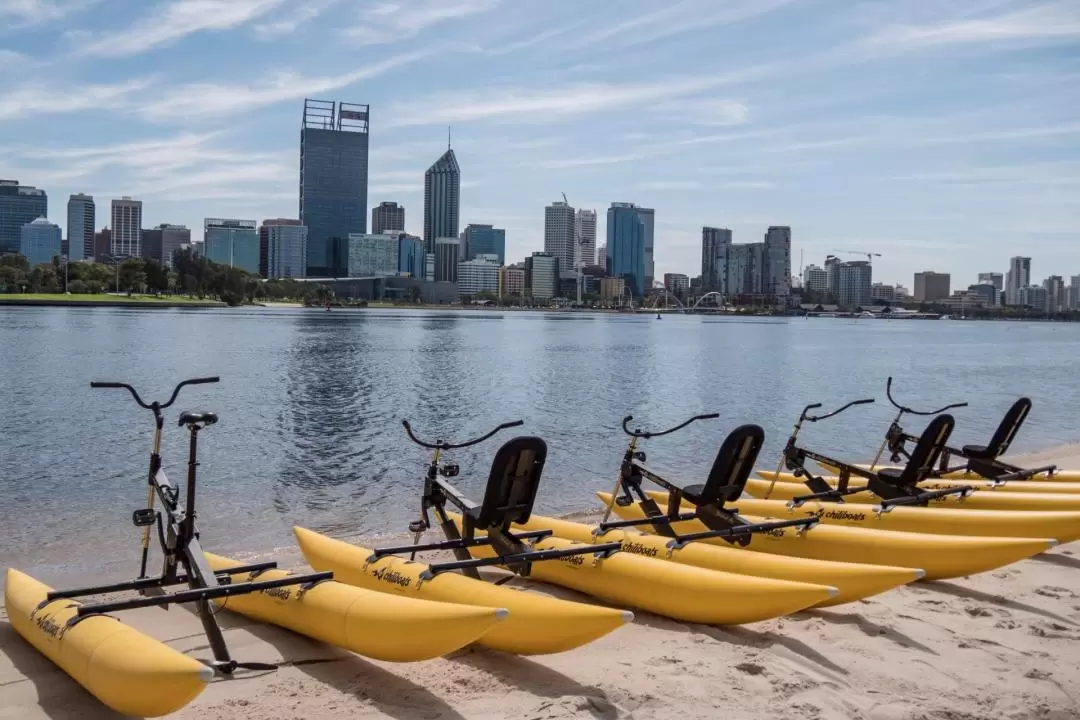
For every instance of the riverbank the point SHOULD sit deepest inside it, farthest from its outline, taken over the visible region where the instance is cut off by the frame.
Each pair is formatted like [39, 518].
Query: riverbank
[1003, 644]
[106, 300]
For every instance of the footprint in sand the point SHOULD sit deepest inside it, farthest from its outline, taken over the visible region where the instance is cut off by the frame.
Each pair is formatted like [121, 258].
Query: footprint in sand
[1037, 675]
[976, 611]
[1052, 591]
[750, 668]
[1007, 624]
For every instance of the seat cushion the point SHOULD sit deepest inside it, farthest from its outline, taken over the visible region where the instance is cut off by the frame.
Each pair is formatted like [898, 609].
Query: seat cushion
[891, 475]
[979, 452]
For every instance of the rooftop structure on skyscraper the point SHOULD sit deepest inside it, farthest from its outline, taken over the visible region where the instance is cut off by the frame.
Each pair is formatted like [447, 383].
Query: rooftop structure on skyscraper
[333, 182]
[387, 217]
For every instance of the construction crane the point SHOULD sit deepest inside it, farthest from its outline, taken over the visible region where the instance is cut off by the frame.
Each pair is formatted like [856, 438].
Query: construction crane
[869, 255]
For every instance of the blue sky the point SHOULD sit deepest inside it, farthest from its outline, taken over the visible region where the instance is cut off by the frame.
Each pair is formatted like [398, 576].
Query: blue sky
[943, 134]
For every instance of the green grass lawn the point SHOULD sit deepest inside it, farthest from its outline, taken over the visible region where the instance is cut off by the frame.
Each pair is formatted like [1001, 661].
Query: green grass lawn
[102, 298]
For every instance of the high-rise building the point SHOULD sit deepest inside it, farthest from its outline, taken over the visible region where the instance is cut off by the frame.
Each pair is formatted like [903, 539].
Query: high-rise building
[612, 288]
[373, 254]
[102, 244]
[19, 204]
[447, 256]
[411, 256]
[387, 217]
[992, 278]
[542, 275]
[715, 246]
[815, 279]
[745, 268]
[585, 238]
[442, 200]
[511, 281]
[985, 293]
[855, 282]
[832, 274]
[173, 238]
[80, 227]
[231, 242]
[333, 182]
[1034, 297]
[150, 244]
[648, 221]
[776, 263]
[883, 292]
[676, 283]
[560, 235]
[478, 275]
[282, 249]
[39, 241]
[626, 245]
[602, 257]
[1019, 276]
[483, 240]
[126, 223]
[931, 286]
[1074, 292]
[1057, 300]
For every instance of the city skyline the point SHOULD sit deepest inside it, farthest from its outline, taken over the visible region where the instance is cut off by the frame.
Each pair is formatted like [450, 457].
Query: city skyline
[968, 148]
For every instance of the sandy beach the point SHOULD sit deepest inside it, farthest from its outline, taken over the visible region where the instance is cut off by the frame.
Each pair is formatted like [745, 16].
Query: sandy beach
[1000, 645]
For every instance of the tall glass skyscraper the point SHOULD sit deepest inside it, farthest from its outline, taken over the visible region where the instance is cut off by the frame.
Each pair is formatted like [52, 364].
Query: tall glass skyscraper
[411, 256]
[484, 240]
[232, 242]
[626, 245]
[80, 227]
[282, 249]
[333, 182]
[19, 204]
[442, 197]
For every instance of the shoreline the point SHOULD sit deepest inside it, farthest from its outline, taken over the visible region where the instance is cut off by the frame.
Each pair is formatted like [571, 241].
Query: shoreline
[96, 301]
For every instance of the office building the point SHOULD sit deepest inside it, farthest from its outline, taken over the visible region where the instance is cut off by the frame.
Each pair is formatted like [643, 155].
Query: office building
[1074, 292]
[411, 256]
[333, 182]
[542, 275]
[601, 257]
[612, 288]
[442, 201]
[815, 279]
[39, 241]
[776, 263]
[429, 266]
[1018, 276]
[447, 257]
[173, 238]
[1034, 297]
[585, 238]
[19, 205]
[985, 294]
[715, 244]
[373, 254]
[882, 292]
[855, 283]
[282, 249]
[676, 283]
[560, 235]
[126, 223]
[832, 274]
[760, 269]
[80, 227]
[483, 240]
[512, 281]
[1057, 300]
[478, 275]
[102, 244]
[992, 278]
[745, 268]
[931, 286]
[387, 217]
[626, 245]
[648, 221]
[230, 242]
[150, 244]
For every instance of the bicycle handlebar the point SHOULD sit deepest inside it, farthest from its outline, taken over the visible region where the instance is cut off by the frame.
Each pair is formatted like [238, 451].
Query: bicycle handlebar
[815, 418]
[909, 411]
[637, 432]
[443, 445]
[155, 405]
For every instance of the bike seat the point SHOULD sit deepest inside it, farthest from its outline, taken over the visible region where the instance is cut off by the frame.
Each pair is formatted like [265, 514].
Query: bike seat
[193, 418]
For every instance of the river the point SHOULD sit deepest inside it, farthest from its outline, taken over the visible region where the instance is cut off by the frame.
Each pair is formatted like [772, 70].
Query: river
[311, 403]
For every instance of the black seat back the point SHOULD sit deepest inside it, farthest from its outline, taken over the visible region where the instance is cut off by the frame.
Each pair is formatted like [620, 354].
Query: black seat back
[927, 451]
[732, 467]
[512, 484]
[1008, 427]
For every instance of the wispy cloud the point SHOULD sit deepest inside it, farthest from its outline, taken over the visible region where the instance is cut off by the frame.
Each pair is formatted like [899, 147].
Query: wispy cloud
[34, 99]
[1046, 21]
[672, 185]
[713, 112]
[289, 22]
[392, 21]
[17, 14]
[200, 101]
[171, 21]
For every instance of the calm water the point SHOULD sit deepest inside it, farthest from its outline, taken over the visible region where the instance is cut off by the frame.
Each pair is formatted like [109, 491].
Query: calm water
[311, 406]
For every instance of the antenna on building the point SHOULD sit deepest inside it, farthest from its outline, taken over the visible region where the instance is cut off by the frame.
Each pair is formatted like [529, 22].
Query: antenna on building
[564, 199]
[447, 137]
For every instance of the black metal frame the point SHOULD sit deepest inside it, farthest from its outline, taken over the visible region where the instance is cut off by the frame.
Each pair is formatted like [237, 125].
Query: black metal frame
[995, 471]
[512, 549]
[794, 459]
[178, 537]
[723, 522]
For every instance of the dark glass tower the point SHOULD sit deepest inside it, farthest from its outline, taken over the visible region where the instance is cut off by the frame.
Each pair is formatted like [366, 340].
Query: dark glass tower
[442, 196]
[333, 182]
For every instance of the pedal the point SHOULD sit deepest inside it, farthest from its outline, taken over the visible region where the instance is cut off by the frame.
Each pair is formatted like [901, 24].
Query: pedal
[417, 526]
[640, 455]
[143, 517]
[450, 470]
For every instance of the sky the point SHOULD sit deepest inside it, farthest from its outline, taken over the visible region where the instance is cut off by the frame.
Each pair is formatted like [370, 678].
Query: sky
[942, 134]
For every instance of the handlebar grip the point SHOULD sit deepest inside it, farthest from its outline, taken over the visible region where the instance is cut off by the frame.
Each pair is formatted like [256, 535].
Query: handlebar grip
[515, 423]
[813, 407]
[405, 423]
[627, 419]
[710, 416]
[867, 401]
[199, 381]
[96, 384]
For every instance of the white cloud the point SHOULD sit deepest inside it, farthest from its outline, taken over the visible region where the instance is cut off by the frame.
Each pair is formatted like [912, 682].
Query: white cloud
[288, 23]
[22, 13]
[711, 112]
[199, 101]
[177, 19]
[390, 22]
[1047, 21]
[34, 99]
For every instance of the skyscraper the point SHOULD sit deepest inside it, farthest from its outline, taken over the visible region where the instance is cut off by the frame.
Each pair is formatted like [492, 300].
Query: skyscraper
[19, 204]
[992, 278]
[715, 244]
[560, 235]
[1019, 276]
[648, 216]
[442, 199]
[333, 182]
[231, 242]
[173, 237]
[626, 245]
[39, 241]
[931, 286]
[1057, 299]
[282, 249]
[447, 257]
[483, 240]
[776, 263]
[815, 279]
[411, 256]
[585, 239]
[855, 281]
[373, 255]
[80, 227]
[542, 275]
[126, 216]
[387, 217]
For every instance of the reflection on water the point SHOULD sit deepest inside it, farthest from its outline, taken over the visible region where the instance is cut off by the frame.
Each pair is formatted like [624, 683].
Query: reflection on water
[311, 405]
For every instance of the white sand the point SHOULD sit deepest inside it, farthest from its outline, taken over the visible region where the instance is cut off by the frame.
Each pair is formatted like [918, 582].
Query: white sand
[998, 646]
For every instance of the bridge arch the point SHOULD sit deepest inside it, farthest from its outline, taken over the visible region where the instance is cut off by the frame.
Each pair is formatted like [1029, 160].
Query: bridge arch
[713, 293]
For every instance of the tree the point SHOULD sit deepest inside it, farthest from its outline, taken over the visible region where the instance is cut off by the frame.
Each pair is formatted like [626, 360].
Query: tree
[414, 294]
